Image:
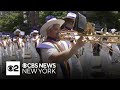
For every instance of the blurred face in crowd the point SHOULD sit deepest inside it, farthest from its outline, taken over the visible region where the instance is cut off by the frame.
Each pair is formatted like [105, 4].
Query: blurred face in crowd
[54, 31]
[35, 34]
[70, 23]
[18, 34]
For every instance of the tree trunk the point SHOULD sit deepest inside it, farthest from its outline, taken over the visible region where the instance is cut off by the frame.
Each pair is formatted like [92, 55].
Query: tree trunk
[33, 19]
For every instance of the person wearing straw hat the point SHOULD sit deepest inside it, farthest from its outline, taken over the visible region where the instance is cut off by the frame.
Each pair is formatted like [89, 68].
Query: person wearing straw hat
[69, 25]
[16, 35]
[17, 38]
[69, 21]
[17, 32]
[72, 37]
[35, 38]
[54, 50]
[17, 46]
[34, 41]
[113, 31]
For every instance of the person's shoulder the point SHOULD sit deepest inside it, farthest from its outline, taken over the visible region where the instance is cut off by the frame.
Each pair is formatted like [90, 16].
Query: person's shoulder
[46, 45]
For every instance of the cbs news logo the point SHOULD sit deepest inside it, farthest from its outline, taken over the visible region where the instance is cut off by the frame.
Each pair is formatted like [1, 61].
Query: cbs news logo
[12, 68]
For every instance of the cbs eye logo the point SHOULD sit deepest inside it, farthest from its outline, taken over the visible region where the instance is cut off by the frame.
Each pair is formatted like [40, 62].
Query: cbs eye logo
[12, 67]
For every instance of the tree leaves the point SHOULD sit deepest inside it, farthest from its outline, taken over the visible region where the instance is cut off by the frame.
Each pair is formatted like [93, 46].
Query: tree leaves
[13, 19]
[9, 21]
[108, 18]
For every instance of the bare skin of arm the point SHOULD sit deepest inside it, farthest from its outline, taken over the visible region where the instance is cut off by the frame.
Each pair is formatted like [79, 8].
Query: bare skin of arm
[65, 55]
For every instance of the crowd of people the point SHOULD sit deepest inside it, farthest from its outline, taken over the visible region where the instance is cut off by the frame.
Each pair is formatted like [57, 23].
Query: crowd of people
[75, 58]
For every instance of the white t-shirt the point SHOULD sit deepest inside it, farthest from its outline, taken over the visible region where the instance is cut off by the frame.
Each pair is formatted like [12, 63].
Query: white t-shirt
[46, 53]
[75, 67]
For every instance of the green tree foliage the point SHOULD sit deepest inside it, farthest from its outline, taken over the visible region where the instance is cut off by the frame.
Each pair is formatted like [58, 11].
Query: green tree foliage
[108, 18]
[9, 22]
[57, 14]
